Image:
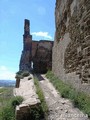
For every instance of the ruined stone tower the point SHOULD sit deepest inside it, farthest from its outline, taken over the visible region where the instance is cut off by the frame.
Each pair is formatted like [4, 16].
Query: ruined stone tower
[25, 62]
[38, 52]
[27, 38]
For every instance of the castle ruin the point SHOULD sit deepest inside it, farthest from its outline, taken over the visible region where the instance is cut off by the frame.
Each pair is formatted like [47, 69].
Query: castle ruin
[38, 53]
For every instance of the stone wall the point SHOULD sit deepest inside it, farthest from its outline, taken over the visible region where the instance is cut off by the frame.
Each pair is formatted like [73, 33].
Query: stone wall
[37, 52]
[42, 61]
[27, 91]
[71, 51]
[34, 48]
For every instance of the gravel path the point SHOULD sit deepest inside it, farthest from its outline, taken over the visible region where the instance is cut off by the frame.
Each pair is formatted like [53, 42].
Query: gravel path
[59, 108]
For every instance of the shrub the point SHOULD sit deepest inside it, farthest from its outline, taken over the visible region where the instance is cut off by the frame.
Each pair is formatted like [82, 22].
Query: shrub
[82, 101]
[16, 101]
[8, 111]
[36, 113]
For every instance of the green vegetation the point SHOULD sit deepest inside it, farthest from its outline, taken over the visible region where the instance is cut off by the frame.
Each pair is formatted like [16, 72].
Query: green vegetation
[22, 74]
[7, 113]
[2, 90]
[25, 73]
[8, 103]
[79, 99]
[36, 113]
[43, 107]
[14, 101]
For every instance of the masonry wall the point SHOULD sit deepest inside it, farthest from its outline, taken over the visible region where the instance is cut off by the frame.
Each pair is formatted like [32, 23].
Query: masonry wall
[71, 51]
[42, 61]
[34, 47]
[35, 54]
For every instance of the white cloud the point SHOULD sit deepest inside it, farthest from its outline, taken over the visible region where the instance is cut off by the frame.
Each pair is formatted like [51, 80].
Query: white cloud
[42, 34]
[6, 74]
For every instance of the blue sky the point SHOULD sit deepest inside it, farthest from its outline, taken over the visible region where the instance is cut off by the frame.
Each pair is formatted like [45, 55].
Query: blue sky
[12, 15]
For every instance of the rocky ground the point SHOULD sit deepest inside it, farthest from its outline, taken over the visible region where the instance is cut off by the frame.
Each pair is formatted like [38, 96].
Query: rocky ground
[59, 108]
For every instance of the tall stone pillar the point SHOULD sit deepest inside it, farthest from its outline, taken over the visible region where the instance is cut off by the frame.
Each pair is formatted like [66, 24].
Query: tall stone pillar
[25, 62]
[27, 38]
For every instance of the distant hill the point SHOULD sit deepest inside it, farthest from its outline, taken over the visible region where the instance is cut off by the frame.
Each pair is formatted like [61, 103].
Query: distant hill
[7, 83]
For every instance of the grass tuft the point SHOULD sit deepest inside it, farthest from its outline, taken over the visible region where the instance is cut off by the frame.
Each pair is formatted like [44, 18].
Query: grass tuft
[8, 104]
[41, 97]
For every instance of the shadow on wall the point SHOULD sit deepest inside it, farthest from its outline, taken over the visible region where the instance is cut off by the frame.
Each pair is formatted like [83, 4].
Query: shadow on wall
[40, 67]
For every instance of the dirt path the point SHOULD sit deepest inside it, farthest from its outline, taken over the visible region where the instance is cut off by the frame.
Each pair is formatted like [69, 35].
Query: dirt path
[59, 108]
